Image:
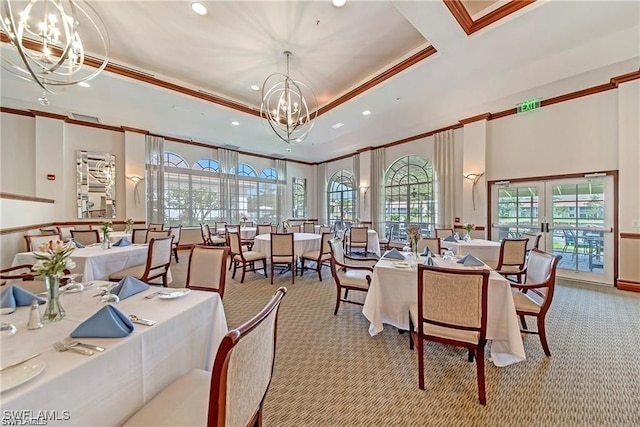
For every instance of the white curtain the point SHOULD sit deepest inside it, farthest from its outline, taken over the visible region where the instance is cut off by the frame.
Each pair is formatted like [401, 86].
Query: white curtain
[229, 190]
[321, 196]
[376, 190]
[154, 153]
[281, 190]
[356, 175]
[444, 161]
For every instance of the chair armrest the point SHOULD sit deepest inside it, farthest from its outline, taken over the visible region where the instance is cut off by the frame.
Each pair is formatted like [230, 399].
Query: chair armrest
[355, 267]
[528, 286]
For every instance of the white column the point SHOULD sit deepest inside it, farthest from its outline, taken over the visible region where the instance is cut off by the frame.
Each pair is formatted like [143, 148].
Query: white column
[365, 180]
[474, 161]
[134, 153]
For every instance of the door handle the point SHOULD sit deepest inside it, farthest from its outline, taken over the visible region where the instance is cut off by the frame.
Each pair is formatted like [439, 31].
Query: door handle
[542, 227]
[547, 227]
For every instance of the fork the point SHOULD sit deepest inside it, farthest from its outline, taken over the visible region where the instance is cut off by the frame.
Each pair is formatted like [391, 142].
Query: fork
[70, 342]
[60, 346]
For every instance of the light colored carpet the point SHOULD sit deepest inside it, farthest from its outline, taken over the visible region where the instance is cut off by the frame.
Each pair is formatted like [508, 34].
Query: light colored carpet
[330, 372]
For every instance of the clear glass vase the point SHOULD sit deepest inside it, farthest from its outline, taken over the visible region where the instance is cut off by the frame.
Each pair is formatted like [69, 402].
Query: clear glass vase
[53, 311]
[467, 237]
[106, 243]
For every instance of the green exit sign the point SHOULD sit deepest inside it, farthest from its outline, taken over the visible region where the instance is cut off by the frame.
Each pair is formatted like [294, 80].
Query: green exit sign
[529, 105]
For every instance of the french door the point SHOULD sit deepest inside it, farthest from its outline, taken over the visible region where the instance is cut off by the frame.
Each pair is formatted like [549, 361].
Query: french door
[575, 217]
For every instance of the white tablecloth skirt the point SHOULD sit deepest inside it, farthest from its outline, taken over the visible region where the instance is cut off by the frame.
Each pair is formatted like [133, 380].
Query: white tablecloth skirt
[302, 242]
[486, 250]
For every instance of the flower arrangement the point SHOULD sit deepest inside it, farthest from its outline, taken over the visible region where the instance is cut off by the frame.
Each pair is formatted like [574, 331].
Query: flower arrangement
[52, 259]
[128, 224]
[286, 225]
[106, 227]
[244, 218]
[468, 227]
[413, 233]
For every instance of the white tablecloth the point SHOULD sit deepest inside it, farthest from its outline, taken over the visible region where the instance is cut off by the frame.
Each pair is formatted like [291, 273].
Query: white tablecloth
[95, 263]
[486, 250]
[302, 242]
[109, 387]
[114, 236]
[246, 233]
[393, 289]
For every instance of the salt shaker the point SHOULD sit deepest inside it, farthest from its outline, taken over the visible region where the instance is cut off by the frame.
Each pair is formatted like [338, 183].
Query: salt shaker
[34, 316]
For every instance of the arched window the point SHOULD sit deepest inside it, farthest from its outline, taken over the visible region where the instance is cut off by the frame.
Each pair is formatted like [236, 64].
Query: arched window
[269, 173]
[174, 160]
[244, 170]
[208, 165]
[341, 195]
[409, 196]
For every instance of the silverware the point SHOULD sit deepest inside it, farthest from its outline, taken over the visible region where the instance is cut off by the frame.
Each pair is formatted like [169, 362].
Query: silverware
[60, 346]
[73, 342]
[20, 362]
[152, 295]
[136, 319]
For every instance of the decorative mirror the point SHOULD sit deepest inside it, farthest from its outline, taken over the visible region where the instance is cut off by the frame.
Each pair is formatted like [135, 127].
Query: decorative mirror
[96, 195]
[299, 197]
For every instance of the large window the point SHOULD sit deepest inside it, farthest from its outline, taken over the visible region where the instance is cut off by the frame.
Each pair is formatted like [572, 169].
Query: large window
[341, 198]
[192, 195]
[409, 196]
[257, 195]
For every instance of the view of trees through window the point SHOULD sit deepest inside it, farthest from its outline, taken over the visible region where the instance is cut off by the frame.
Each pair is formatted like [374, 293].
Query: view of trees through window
[341, 198]
[409, 196]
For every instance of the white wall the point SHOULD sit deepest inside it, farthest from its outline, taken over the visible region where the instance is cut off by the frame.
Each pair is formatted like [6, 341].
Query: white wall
[17, 154]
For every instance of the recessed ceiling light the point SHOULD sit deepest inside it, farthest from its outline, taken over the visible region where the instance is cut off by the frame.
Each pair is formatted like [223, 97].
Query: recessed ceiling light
[84, 84]
[338, 3]
[255, 87]
[366, 112]
[199, 8]
[337, 125]
[235, 123]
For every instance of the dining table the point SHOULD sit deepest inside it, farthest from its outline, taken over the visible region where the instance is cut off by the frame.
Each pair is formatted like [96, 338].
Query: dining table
[394, 286]
[485, 250]
[110, 386]
[246, 233]
[302, 243]
[95, 263]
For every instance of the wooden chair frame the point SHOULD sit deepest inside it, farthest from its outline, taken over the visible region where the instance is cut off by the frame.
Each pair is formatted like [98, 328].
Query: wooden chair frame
[223, 269]
[232, 236]
[360, 244]
[336, 266]
[291, 263]
[176, 242]
[156, 226]
[29, 238]
[417, 336]
[519, 266]
[139, 231]
[78, 235]
[325, 249]
[441, 233]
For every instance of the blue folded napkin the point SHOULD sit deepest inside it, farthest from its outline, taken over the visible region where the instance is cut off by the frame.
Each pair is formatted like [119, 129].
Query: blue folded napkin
[449, 239]
[122, 242]
[108, 322]
[77, 244]
[14, 296]
[426, 251]
[470, 260]
[429, 261]
[128, 286]
[393, 254]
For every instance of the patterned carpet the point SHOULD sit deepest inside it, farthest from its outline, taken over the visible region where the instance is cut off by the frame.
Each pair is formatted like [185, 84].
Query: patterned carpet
[330, 372]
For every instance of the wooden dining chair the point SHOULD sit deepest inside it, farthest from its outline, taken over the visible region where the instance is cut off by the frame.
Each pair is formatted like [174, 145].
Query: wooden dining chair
[295, 229]
[152, 234]
[219, 225]
[233, 392]
[207, 269]
[245, 258]
[282, 253]
[308, 227]
[156, 226]
[533, 241]
[433, 243]
[534, 296]
[452, 310]
[246, 224]
[65, 232]
[139, 235]
[348, 277]
[321, 257]
[176, 233]
[22, 274]
[441, 233]
[85, 237]
[325, 229]
[358, 239]
[263, 229]
[83, 227]
[512, 258]
[35, 240]
[157, 265]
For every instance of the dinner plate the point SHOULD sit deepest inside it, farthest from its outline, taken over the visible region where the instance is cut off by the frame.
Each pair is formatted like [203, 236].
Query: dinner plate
[13, 377]
[174, 293]
[7, 310]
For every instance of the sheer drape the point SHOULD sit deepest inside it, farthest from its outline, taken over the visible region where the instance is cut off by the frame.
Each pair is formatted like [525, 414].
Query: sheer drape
[376, 190]
[444, 161]
[281, 190]
[229, 190]
[356, 176]
[321, 196]
[154, 153]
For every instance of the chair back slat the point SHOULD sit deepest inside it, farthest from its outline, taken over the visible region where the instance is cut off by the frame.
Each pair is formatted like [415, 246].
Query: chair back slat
[441, 233]
[156, 227]
[541, 269]
[65, 232]
[207, 268]
[243, 368]
[513, 252]
[308, 227]
[34, 241]
[263, 229]
[325, 244]
[359, 234]
[175, 232]
[281, 244]
[337, 251]
[139, 235]
[433, 243]
[152, 234]
[159, 256]
[533, 240]
[234, 242]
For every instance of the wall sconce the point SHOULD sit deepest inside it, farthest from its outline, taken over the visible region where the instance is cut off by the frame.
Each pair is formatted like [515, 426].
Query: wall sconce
[474, 178]
[136, 181]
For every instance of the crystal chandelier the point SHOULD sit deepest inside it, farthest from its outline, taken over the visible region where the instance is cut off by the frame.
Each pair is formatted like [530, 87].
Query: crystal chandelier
[46, 35]
[286, 106]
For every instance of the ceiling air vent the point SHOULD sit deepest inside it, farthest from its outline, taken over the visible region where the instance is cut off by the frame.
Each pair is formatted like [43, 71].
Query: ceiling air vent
[85, 118]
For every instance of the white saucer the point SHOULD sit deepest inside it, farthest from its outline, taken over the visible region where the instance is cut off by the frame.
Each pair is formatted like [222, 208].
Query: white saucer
[174, 293]
[13, 377]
